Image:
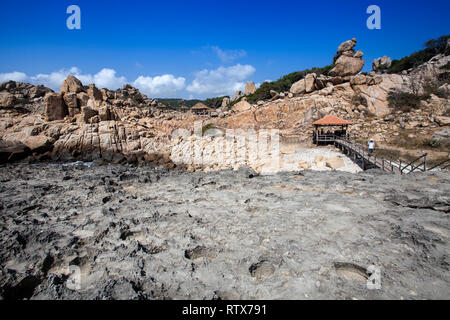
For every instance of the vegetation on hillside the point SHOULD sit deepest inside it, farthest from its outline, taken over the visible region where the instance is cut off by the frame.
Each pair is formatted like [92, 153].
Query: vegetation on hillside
[284, 83]
[432, 48]
[178, 103]
[214, 102]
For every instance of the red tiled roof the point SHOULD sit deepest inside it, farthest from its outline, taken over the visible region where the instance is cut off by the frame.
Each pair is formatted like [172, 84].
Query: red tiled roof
[331, 120]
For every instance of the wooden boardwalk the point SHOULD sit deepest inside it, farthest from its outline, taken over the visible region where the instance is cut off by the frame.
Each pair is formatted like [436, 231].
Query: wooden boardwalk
[359, 154]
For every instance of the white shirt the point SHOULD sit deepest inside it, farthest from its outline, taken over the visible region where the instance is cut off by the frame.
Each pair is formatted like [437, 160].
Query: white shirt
[371, 144]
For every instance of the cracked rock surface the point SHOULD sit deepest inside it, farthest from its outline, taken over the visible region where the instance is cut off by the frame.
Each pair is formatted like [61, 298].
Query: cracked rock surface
[122, 232]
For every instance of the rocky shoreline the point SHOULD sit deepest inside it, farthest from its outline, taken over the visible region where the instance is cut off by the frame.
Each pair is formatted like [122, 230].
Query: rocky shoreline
[138, 232]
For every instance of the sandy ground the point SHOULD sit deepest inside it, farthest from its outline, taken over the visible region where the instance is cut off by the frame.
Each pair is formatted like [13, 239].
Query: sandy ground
[120, 232]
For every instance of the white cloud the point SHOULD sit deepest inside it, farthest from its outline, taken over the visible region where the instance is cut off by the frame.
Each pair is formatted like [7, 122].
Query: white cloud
[14, 76]
[106, 78]
[221, 81]
[164, 85]
[228, 55]
[52, 80]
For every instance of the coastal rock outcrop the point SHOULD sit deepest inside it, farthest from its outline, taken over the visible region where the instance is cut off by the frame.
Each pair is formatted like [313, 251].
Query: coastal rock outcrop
[71, 84]
[249, 88]
[348, 62]
[381, 64]
[55, 108]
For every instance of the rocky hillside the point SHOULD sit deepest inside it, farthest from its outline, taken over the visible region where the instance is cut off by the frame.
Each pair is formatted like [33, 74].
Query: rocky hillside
[87, 123]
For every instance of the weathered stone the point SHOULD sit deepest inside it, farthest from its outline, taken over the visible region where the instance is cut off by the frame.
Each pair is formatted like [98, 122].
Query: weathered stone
[443, 121]
[71, 84]
[310, 82]
[358, 54]
[225, 102]
[249, 88]
[13, 151]
[347, 66]
[358, 79]
[83, 99]
[380, 64]
[347, 45]
[104, 113]
[71, 102]
[241, 106]
[7, 100]
[38, 143]
[88, 113]
[237, 95]
[94, 93]
[299, 87]
[273, 93]
[55, 108]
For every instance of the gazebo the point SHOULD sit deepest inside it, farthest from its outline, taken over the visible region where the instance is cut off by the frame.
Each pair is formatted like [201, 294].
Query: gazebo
[201, 109]
[329, 123]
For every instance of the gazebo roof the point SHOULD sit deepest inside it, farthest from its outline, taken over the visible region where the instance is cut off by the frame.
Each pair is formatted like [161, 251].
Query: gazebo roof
[200, 106]
[331, 121]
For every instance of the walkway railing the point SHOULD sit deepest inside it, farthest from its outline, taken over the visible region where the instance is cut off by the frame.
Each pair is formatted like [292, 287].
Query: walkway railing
[356, 151]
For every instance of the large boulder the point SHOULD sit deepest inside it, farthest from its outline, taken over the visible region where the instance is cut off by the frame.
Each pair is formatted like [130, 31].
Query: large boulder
[241, 106]
[348, 62]
[347, 66]
[298, 87]
[12, 151]
[249, 88]
[94, 93]
[225, 102]
[310, 80]
[443, 121]
[380, 64]
[237, 95]
[359, 79]
[38, 143]
[83, 99]
[104, 113]
[71, 84]
[88, 113]
[442, 135]
[347, 45]
[55, 108]
[71, 102]
[7, 100]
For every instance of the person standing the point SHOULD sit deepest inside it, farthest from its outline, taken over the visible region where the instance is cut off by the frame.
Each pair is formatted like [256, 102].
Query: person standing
[371, 145]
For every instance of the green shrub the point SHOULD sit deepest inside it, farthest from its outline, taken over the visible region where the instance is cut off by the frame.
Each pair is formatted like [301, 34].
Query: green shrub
[431, 88]
[433, 143]
[446, 66]
[405, 101]
[214, 102]
[444, 78]
[284, 83]
[432, 48]
[138, 98]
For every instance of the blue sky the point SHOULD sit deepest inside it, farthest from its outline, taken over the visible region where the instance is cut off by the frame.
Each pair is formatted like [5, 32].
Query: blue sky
[199, 49]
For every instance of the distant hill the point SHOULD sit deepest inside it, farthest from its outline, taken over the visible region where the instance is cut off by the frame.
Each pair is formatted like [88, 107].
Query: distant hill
[177, 103]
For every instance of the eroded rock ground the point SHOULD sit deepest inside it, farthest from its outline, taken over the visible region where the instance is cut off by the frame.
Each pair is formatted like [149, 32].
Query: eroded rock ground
[144, 233]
